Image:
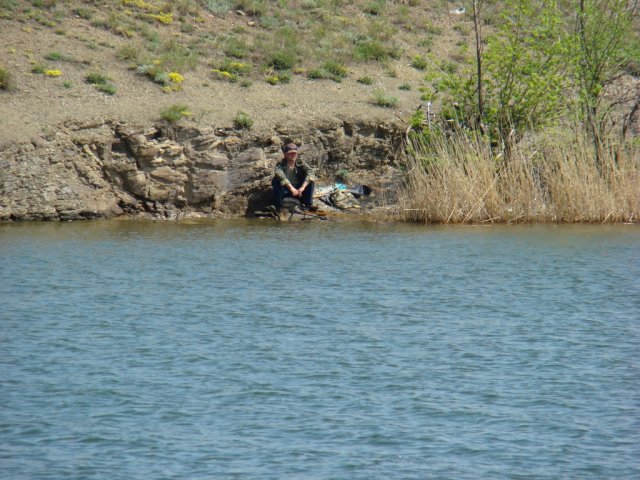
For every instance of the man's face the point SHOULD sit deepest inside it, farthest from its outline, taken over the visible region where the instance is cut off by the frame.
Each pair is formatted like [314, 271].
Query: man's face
[291, 155]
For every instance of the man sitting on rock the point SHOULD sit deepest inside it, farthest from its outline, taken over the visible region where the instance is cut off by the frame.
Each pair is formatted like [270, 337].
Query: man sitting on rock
[293, 178]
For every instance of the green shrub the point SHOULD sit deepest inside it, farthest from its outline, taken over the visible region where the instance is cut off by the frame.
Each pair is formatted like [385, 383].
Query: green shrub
[426, 43]
[107, 88]
[6, 80]
[337, 70]
[38, 68]
[219, 7]
[95, 78]
[236, 48]
[317, 74]
[175, 112]
[128, 52]
[83, 12]
[333, 70]
[175, 57]
[255, 8]
[161, 77]
[186, 27]
[405, 86]
[371, 50]
[54, 56]
[381, 99]
[365, 80]
[419, 62]
[235, 67]
[374, 8]
[282, 60]
[242, 121]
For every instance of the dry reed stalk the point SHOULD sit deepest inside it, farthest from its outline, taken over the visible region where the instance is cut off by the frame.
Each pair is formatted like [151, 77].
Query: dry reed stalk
[458, 180]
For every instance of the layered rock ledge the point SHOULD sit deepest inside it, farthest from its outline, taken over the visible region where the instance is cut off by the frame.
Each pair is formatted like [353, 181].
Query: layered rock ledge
[105, 169]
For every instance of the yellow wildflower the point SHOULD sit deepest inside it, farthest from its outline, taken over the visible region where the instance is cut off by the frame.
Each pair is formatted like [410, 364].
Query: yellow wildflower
[176, 78]
[165, 18]
[139, 3]
[53, 73]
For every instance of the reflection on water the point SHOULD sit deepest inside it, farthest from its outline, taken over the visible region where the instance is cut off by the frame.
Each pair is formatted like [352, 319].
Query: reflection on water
[328, 350]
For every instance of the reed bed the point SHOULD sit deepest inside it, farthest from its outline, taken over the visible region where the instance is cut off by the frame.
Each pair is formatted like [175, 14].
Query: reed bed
[457, 179]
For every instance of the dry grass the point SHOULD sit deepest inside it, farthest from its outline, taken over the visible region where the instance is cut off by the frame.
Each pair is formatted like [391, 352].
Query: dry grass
[549, 179]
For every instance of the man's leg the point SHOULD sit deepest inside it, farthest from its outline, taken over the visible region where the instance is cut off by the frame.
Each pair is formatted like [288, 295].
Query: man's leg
[307, 195]
[278, 192]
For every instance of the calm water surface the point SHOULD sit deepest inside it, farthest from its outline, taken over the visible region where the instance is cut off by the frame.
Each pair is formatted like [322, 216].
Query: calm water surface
[324, 351]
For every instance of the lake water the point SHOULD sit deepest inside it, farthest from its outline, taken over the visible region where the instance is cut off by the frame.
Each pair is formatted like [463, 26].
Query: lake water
[250, 350]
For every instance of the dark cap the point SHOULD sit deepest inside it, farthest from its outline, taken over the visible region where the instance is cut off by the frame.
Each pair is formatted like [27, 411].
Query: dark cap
[290, 147]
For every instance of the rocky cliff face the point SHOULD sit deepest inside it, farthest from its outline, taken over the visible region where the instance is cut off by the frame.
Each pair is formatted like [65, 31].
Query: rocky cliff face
[104, 169]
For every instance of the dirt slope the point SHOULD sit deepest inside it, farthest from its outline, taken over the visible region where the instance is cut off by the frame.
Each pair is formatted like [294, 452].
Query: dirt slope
[39, 102]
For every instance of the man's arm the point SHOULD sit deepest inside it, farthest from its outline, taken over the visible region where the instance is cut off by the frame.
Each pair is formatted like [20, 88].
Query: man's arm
[284, 181]
[309, 175]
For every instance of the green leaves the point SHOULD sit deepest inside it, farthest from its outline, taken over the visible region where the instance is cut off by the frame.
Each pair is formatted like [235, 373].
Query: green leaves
[539, 62]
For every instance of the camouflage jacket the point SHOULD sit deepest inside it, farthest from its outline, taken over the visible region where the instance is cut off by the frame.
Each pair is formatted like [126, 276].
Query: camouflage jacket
[296, 175]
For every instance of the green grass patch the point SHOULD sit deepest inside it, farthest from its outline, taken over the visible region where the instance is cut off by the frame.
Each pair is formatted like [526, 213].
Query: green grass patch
[236, 48]
[101, 82]
[107, 88]
[242, 121]
[255, 8]
[382, 99]
[128, 52]
[374, 8]
[337, 70]
[38, 68]
[278, 78]
[330, 70]
[282, 60]
[419, 62]
[317, 74]
[371, 50]
[175, 112]
[95, 78]
[7, 82]
[365, 80]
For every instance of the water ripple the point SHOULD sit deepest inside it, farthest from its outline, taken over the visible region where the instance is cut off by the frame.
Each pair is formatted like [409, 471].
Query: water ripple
[238, 350]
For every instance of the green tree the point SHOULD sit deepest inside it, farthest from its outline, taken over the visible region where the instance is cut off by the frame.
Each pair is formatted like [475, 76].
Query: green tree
[608, 45]
[520, 75]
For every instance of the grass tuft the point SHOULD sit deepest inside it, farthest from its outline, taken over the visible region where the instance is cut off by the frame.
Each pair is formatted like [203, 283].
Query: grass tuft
[7, 82]
[175, 112]
[95, 78]
[242, 121]
[382, 99]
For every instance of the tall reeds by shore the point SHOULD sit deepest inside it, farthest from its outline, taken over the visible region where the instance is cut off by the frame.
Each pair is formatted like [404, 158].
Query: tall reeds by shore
[554, 177]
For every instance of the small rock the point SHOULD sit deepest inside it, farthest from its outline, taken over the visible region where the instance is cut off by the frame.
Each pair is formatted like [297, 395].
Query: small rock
[38, 142]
